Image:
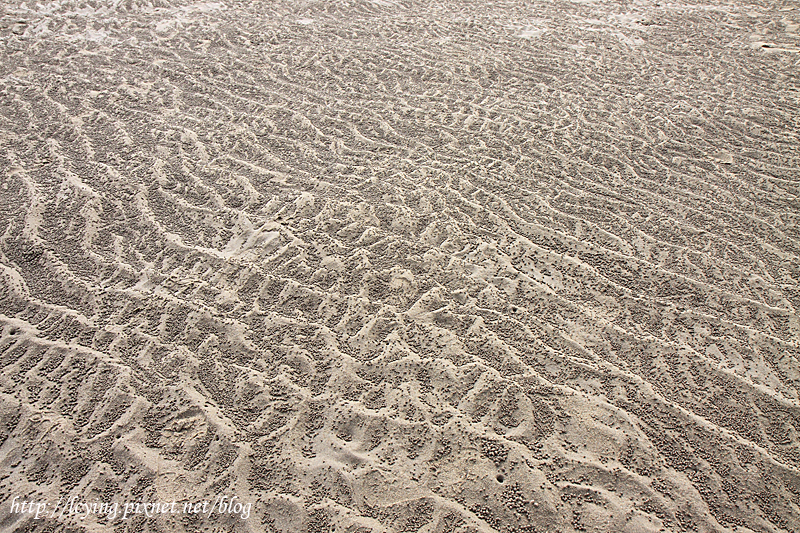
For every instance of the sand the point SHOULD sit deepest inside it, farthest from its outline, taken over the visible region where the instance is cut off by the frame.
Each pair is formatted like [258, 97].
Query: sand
[394, 266]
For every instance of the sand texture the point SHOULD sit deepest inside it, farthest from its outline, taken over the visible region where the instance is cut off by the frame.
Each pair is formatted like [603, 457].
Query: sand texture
[396, 266]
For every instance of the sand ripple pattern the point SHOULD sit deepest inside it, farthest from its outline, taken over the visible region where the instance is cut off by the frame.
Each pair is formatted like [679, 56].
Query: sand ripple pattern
[389, 266]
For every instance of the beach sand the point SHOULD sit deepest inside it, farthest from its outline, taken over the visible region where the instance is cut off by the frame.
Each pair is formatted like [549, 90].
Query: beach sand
[398, 266]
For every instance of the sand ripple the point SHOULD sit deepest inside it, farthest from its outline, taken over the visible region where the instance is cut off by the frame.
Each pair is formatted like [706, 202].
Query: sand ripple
[402, 266]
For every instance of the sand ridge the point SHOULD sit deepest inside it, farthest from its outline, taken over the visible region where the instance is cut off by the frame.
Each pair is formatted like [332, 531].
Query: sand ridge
[388, 266]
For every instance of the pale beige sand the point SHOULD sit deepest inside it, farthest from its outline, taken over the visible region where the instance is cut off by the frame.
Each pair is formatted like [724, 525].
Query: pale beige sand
[400, 266]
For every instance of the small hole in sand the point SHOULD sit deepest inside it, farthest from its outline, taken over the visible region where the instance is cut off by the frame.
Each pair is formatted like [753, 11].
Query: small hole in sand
[500, 478]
